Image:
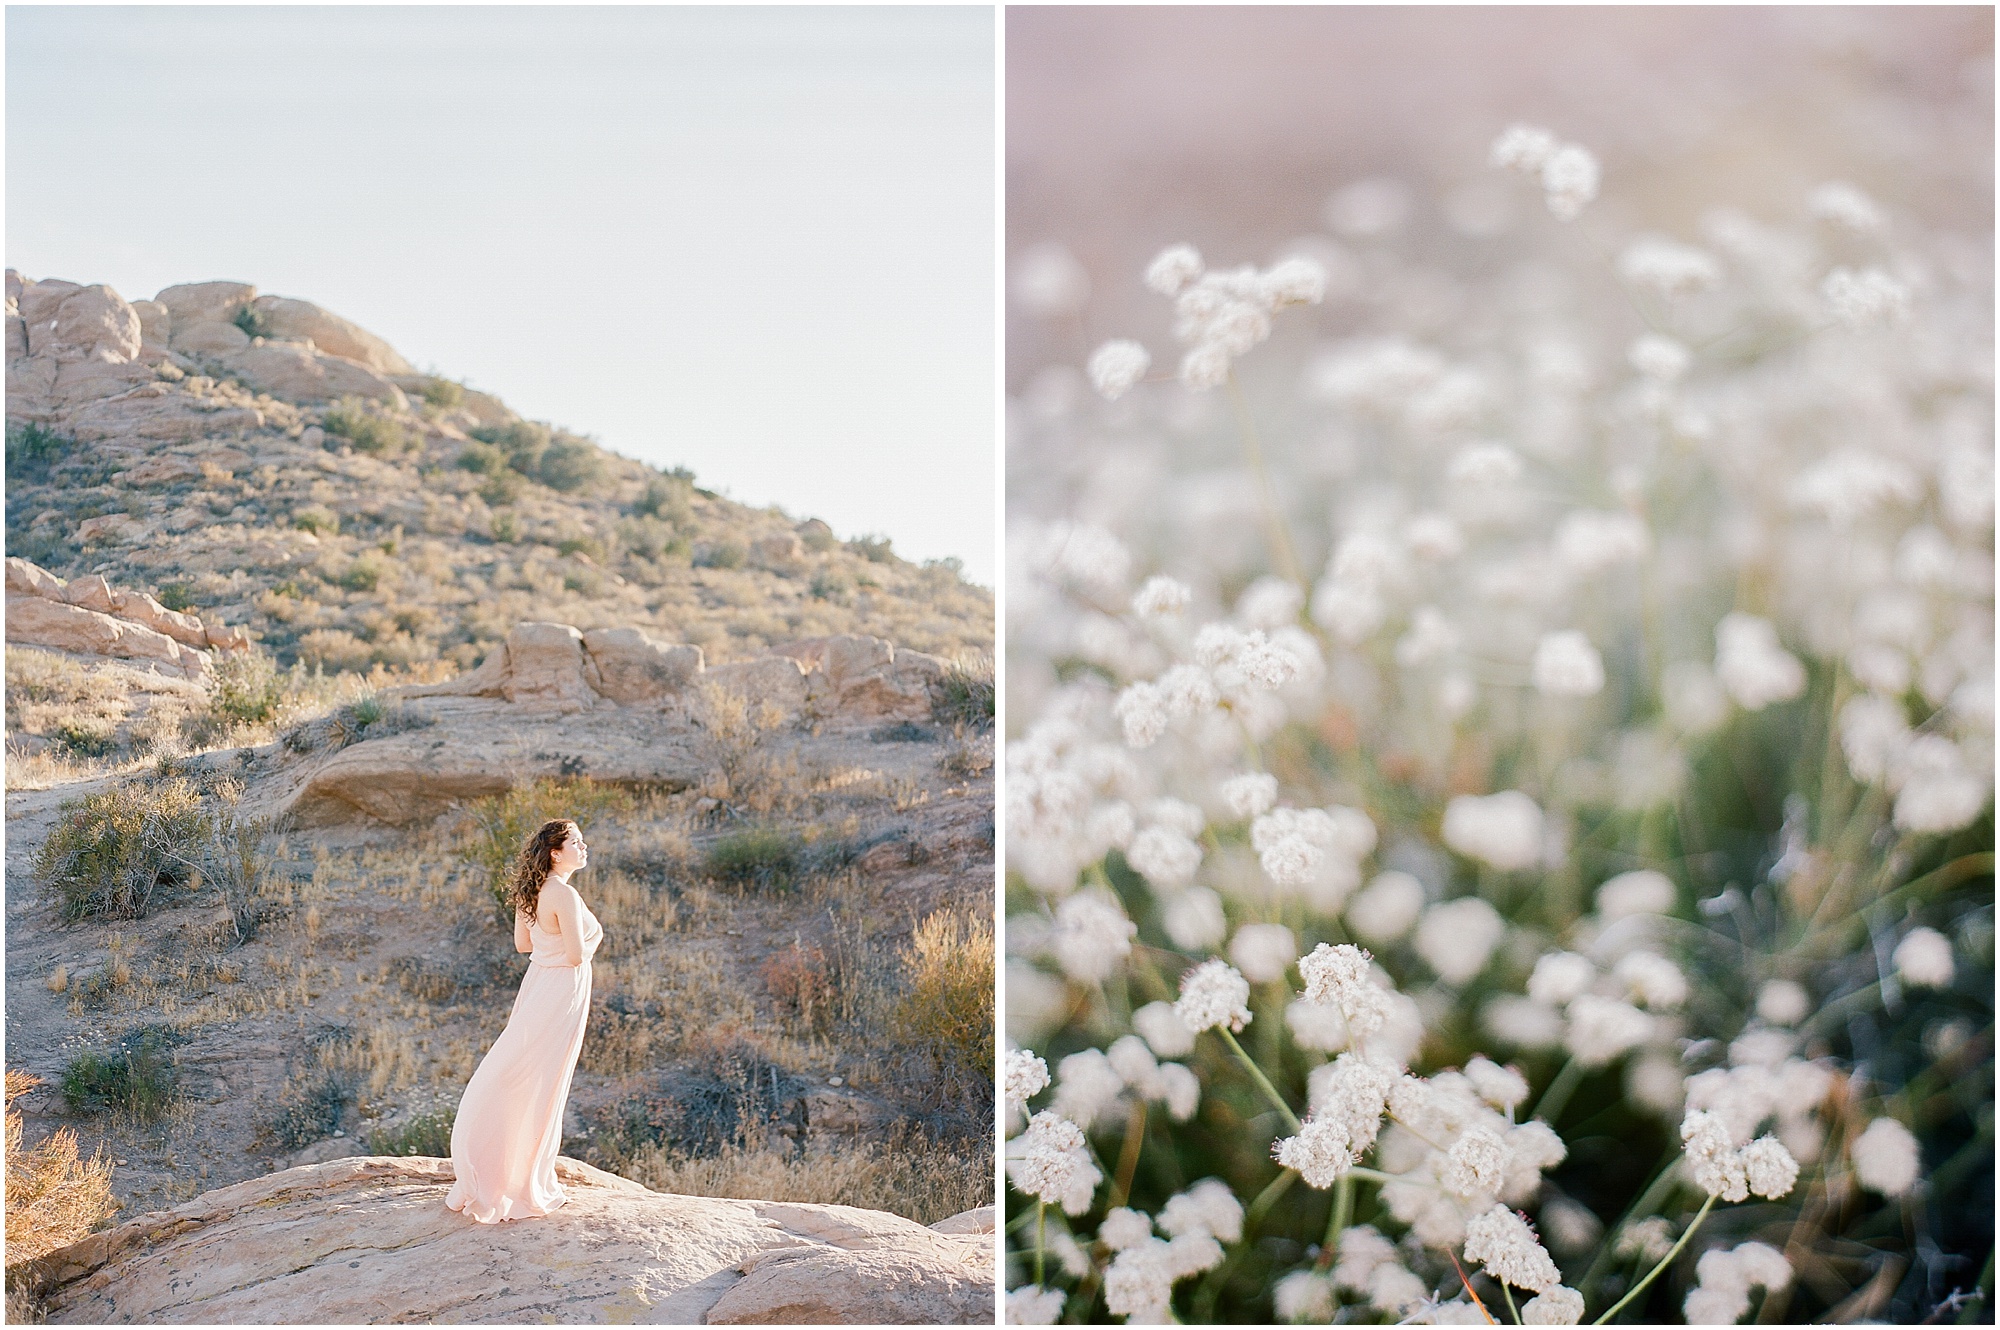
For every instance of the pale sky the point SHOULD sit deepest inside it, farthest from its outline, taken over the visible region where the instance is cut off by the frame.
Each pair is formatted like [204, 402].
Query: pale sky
[757, 242]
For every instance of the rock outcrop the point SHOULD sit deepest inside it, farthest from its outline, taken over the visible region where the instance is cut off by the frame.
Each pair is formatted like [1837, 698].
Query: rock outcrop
[369, 1240]
[88, 616]
[614, 704]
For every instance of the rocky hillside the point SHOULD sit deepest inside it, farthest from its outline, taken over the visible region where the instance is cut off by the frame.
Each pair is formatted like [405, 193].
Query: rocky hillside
[266, 464]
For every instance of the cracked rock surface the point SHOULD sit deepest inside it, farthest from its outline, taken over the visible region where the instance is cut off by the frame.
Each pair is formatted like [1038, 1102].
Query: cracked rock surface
[369, 1240]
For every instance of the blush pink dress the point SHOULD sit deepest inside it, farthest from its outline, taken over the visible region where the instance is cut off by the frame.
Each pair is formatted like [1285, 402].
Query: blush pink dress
[509, 1126]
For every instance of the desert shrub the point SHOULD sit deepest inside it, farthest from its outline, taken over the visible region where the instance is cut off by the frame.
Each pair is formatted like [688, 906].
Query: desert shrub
[350, 419]
[965, 759]
[443, 394]
[135, 1075]
[333, 650]
[247, 687]
[176, 596]
[727, 1094]
[237, 865]
[817, 536]
[85, 738]
[570, 464]
[364, 574]
[720, 554]
[109, 852]
[49, 547]
[316, 518]
[502, 487]
[964, 693]
[903, 732]
[798, 982]
[647, 537]
[911, 1175]
[53, 1197]
[251, 320]
[425, 1134]
[831, 584]
[875, 549]
[523, 442]
[948, 1008]
[481, 459]
[501, 824]
[506, 528]
[33, 450]
[668, 499]
[766, 858]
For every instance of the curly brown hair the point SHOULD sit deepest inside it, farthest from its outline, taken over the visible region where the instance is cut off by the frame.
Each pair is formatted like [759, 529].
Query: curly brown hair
[531, 867]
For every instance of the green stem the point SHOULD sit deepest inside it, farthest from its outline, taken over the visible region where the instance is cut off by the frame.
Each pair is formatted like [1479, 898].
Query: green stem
[1281, 542]
[1262, 1080]
[1556, 1097]
[1370, 1175]
[1657, 1190]
[1665, 1261]
[1268, 1197]
[1337, 1220]
[1508, 1294]
[1041, 1227]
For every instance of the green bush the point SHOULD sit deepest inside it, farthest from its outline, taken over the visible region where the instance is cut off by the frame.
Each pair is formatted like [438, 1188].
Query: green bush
[85, 738]
[482, 459]
[522, 441]
[570, 464]
[364, 574]
[875, 549]
[321, 521]
[668, 499]
[831, 584]
[136, 1074]
[34, 449]
[251, 321]
[110, 852]
[176, 596]
[506, 528]
[502, 487]
[247, 688]
[964, 693]
[720, 554]
[426, 1134]
[443, 393]
[370, 433]
[762, 857]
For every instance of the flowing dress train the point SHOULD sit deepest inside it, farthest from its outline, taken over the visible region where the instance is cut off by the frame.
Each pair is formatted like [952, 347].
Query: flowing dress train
[509, 1126]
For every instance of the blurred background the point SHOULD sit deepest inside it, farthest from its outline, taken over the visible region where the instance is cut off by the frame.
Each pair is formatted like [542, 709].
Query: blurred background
[1132, 128]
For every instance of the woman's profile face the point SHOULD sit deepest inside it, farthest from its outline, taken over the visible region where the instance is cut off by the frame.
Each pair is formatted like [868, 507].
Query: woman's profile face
[572, 854]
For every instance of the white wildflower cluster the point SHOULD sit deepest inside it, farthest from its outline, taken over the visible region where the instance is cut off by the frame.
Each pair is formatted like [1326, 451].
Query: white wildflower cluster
[1218, 316]
[1357, 716]
[1726, 1278]
[1051, 1162]
[1568, 172]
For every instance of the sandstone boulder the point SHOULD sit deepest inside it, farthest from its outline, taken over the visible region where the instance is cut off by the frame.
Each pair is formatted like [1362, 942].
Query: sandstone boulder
[81, 382]
[369, 1239]
[95, 322]
[777, 680]
[206, 302]
[298, 320]
[299, 374]
[17, 337]
[208, 337]
[33, 621]
[783, 550]
[162, 469]
[630, 666]
[39, 301]
[866, 678]
[110, 529]
[155, 323]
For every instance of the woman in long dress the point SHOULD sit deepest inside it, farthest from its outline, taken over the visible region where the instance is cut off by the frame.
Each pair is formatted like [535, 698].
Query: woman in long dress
[509, 1126]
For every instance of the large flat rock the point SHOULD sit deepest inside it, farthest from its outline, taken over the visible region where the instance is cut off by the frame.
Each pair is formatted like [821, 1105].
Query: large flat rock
[368, 1240]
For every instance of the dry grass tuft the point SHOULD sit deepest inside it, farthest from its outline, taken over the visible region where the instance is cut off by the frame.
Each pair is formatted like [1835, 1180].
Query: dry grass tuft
[53, 1197]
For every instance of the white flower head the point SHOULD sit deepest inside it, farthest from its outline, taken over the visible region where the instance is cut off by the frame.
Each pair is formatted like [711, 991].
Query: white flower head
[1886, 1158]
[1567, 665]
[1865, 299]
[1173, 268]
[1752, 666]
[1117, 365]
[1504, 829]
[1214, 994]
[1263, 951]
[1923, 959]
[1501, 1241]
[1456, 937]
[1569, 181]
[1027, 1076]
[1163, 1030]
[1161, 597]
[1251, 794]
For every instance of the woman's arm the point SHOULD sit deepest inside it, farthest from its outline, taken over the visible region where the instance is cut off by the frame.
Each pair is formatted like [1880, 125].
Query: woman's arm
[569, 919]
[522, 942]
